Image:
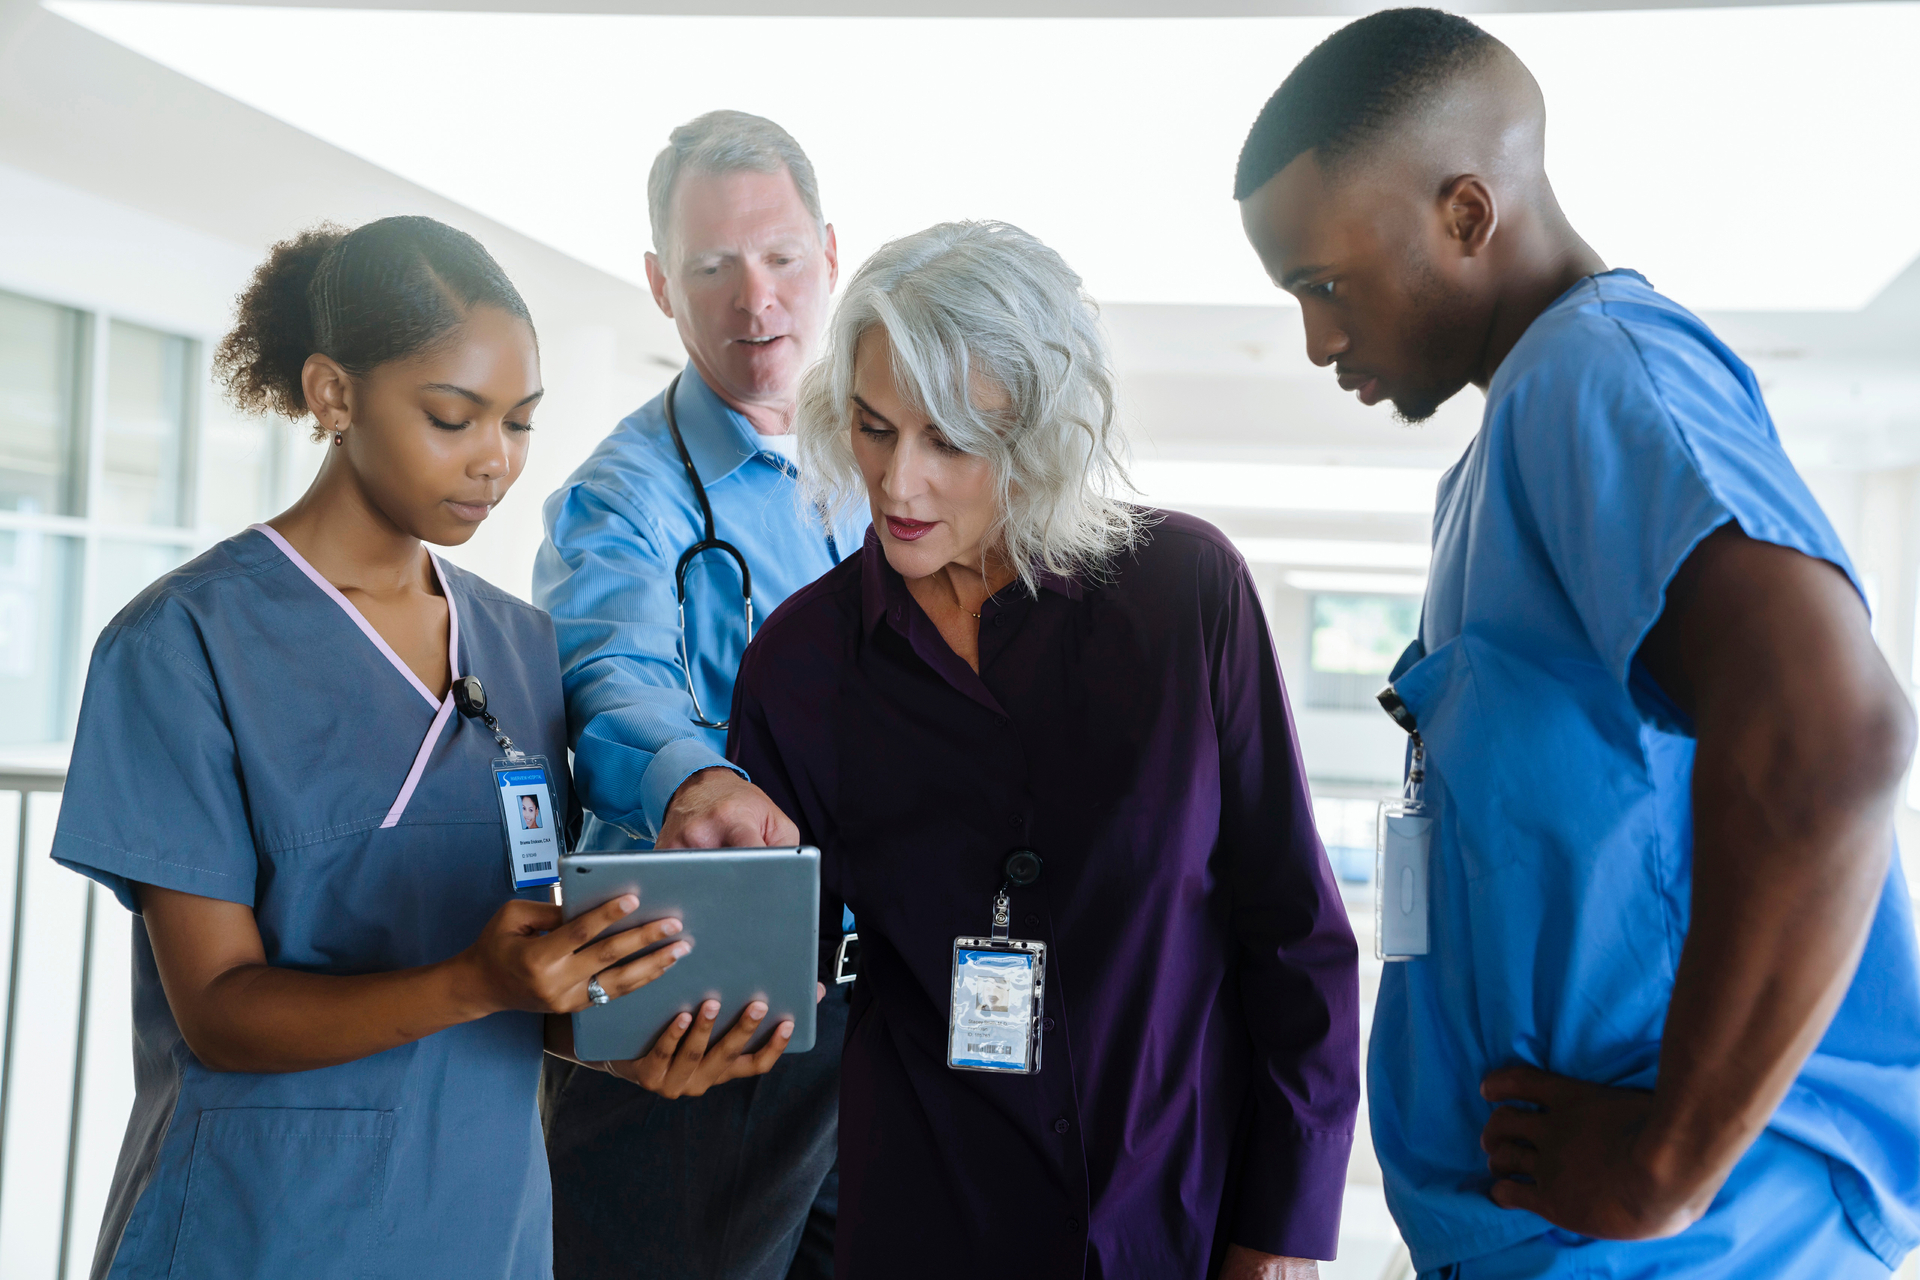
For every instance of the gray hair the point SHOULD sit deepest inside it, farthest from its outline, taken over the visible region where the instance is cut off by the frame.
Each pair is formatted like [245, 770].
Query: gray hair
[727, 142]
[966, 300]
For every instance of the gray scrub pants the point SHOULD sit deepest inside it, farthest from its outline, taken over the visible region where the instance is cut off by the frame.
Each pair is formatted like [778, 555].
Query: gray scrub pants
[738, 1184]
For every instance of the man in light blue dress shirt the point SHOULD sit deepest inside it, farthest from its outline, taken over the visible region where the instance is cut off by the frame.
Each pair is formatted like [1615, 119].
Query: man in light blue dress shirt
[1666, 1023]
[734, 1184]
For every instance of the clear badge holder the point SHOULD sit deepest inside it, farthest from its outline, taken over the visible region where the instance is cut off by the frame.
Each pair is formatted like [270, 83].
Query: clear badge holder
[997, 1000]
[1402, 838]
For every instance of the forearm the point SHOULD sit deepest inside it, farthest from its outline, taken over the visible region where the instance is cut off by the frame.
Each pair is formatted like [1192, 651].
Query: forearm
[1788, 867]
[260, 1018]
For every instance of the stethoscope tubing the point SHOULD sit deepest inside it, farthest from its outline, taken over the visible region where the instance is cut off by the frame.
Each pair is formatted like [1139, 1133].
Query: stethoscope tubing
[710, 542]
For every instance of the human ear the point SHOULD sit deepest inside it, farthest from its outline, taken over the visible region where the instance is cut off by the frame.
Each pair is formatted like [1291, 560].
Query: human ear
[1470, 213]
[328, 391]
[657, 282]
[833, 260]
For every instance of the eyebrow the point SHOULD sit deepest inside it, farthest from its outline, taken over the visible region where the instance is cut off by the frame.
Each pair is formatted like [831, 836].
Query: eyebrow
[1298, 274]
[475, 396]
[875, 412]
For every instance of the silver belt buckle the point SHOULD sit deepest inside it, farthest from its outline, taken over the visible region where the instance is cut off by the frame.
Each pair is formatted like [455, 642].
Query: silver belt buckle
[846, 959]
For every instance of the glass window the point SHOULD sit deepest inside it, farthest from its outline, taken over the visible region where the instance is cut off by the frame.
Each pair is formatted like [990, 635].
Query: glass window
[39, 635]
[121, 570]
[1346, 830]
[1353, 645]
[240, 469]
[40, 420]
[143, 474]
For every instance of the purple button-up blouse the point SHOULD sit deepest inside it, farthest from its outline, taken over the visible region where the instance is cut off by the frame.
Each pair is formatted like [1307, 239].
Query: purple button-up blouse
[1200, 1069]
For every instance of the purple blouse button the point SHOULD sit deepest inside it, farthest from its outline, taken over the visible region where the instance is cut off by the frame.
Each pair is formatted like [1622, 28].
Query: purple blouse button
[1061, 1126]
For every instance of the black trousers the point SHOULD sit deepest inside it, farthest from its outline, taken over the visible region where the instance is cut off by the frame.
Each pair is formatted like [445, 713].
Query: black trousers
[737, 1184]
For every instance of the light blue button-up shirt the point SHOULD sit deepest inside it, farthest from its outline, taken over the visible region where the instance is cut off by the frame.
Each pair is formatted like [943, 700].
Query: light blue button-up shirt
[615, 531]
[1618, 433]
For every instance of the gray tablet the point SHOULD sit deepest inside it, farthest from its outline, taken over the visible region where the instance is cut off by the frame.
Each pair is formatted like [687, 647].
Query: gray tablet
[753, 915]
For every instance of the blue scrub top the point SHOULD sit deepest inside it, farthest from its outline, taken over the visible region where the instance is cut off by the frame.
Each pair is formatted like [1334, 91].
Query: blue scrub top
[242, 739]
[1618, 433]
[615, 531]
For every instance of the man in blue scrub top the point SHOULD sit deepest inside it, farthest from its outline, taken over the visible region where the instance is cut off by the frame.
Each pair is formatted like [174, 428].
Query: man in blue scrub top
[1669, 1020]
[736, 1184]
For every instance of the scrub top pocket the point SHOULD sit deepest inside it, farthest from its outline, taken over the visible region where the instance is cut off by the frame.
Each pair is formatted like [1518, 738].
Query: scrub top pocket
[278, 1191]
[1508, 731]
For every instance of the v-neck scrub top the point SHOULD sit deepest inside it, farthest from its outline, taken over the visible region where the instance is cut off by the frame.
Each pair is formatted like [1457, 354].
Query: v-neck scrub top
[1618, 433]
[244, 738]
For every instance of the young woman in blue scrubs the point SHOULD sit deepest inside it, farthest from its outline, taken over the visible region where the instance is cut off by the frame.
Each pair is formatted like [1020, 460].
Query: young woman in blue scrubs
[340, 1003]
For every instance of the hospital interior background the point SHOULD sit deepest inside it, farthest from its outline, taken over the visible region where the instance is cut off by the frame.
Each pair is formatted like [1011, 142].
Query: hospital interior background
[1759, 164]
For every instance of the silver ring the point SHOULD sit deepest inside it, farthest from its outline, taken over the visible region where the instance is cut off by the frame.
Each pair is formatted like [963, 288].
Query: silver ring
[596, 992]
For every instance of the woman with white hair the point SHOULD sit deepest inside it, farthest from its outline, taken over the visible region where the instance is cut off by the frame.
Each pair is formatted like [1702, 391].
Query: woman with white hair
[1105, 1021]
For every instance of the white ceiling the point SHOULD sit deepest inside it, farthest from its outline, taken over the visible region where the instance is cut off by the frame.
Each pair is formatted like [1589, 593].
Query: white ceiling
[1002, 8]
[1753, 159]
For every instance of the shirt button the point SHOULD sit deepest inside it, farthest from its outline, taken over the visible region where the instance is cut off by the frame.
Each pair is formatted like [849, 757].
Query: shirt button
[1033, 921]
[1046, 1024]
[1061, 1126]
[1018, 819]
[999, 619]
[1001, 721]
[1073, 1224]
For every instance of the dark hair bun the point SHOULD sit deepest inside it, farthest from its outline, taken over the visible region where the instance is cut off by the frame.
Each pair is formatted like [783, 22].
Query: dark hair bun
[382, 292]
[259, 363]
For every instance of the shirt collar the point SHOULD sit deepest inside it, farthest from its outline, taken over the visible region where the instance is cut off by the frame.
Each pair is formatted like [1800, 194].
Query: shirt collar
[883, 591]
[718, 436]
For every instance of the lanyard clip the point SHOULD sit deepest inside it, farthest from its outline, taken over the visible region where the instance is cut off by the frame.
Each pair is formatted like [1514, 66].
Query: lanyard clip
[1394, 705]
[1002, 914]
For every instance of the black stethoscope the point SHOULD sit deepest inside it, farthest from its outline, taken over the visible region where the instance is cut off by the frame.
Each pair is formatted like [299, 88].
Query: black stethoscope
[711, 542]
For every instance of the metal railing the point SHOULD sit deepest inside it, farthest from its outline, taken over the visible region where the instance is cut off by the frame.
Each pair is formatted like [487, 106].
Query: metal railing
[27, 782]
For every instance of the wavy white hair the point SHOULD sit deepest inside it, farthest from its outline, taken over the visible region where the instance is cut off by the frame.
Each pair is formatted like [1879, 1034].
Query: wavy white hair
[984, 300]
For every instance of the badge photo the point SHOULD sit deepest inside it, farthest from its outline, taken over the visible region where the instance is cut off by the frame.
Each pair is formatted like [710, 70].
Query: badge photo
[532, 827]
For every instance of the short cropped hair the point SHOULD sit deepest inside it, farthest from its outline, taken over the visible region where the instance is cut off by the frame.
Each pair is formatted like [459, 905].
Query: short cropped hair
[968, 301]
[727, 142]
[1356, 84]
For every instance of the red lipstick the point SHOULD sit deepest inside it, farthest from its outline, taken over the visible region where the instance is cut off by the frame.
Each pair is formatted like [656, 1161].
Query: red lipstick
[908, 530]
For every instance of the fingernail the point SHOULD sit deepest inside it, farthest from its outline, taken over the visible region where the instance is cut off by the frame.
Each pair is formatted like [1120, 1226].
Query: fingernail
[669, 927]
[758, 1009]
[628, 902]
[711, 1009]
[679, 949]
[786, 1029]
[684, 1021]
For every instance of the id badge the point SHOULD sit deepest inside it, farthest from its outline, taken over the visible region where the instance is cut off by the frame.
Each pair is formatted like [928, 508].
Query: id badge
[1400, 906]
[999, 990]
[532, 827]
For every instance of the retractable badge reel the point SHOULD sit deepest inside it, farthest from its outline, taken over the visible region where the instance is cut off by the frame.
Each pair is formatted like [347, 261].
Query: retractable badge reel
[526, 797]
[1402, 838]
[999, 988]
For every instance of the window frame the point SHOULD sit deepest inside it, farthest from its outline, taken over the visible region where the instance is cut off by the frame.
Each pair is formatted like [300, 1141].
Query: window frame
[89, 529]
